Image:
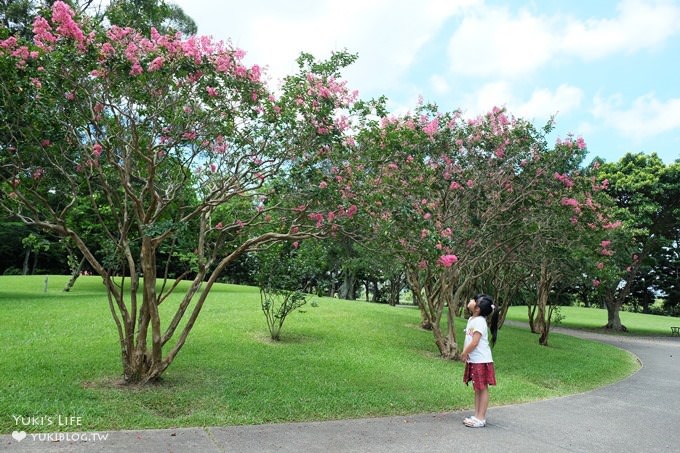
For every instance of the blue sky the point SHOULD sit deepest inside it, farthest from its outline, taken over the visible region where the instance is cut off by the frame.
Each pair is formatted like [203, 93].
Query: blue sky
[609, 70]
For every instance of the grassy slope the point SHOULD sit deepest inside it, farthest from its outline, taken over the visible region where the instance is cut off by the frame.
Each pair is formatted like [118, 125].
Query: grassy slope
[595, 318]
[341, 359]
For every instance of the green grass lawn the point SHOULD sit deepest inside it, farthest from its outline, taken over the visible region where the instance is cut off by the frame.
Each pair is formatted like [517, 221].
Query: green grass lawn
[595, 318]
[340, 359]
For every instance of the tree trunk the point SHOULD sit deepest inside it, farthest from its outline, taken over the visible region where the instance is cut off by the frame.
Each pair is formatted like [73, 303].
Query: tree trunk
[347, 287]
[75, 273]
[35, 263]
[417, 292]
[394, 291]
[531, 314]
[613, 317]
[542, 321]
[377, 294]
[27, 256]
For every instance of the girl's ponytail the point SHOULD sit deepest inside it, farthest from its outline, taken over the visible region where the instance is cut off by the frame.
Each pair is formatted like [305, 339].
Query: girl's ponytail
[486, 308]
[494, 325]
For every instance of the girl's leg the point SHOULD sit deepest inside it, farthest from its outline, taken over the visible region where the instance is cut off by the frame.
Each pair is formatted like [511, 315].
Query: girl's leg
[481, 402]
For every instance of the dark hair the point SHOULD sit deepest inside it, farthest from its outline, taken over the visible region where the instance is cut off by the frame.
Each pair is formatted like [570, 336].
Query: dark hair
[486, 308]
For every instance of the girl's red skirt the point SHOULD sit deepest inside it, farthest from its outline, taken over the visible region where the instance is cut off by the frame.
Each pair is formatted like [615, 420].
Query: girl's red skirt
[481, 375]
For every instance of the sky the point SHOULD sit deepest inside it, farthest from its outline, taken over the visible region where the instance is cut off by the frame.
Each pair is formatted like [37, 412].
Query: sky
[607, 70]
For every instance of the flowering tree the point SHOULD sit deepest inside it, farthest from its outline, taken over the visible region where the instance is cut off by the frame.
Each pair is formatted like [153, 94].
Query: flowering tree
[573, 227]
[464, 204]
[169, 140]
[449, 194]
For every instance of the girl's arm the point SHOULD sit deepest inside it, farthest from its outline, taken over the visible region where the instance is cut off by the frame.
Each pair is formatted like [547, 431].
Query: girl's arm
[471, 346]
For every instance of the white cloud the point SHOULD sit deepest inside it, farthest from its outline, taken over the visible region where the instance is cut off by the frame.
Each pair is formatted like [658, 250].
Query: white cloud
[493, 42]
[439, 84]
[387, 34]
[540, 106]
[544, 103]
[645, 117]
[490, 42]
[638, 25]
[488, 96]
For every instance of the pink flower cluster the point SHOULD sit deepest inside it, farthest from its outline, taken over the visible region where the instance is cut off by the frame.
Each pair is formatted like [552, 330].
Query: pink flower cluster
[571, 202]
[604, 248]
[564, 179]
[430, 128]
[447, 260]
[62, 14]
[570, 142]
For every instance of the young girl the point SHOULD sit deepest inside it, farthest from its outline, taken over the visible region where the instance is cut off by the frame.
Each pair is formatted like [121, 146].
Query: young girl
[477, 355]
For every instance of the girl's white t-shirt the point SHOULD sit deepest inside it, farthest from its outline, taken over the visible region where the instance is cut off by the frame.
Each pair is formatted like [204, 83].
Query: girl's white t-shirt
[482, 353]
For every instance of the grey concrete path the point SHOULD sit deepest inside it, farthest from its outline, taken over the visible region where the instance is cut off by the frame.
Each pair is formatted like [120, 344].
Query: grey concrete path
[639, 414]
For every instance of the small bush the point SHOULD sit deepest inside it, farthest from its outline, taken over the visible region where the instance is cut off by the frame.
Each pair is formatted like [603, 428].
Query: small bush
[277, 304]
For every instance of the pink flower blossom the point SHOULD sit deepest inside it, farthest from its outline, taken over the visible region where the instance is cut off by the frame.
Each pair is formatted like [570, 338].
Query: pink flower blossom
[11, 42]
[156, 64]
[564, 179]
[62, 14]
[569, 202]
[318, 217]
[211, 91]
[612, 225]
[97, 149]
[596, 282]
[323, 185]
[219, 226]
[136, 69]
[431, 128]
[600, 265]
[255, 73]
[447, 260]
[580, 143]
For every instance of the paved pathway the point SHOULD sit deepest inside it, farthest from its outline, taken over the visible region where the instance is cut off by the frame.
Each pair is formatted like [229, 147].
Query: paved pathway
[639, 414]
